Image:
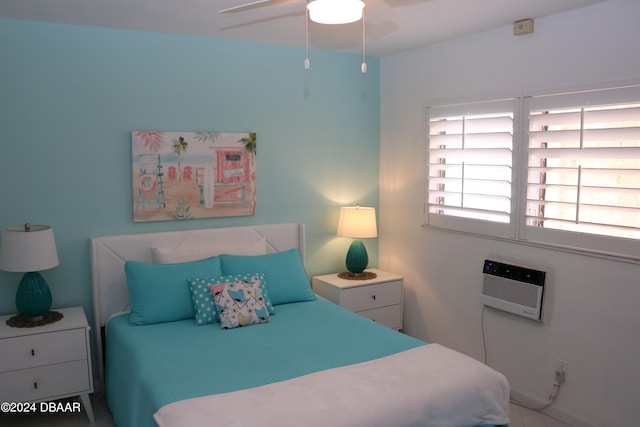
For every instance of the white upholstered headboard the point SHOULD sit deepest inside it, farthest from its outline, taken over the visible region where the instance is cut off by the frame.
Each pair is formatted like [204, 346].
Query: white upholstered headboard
[109, 254]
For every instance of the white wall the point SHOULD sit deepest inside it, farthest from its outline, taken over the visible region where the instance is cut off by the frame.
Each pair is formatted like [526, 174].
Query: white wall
[593, 320]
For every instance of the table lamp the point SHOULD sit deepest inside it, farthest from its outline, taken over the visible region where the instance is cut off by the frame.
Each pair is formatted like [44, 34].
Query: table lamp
[358, 223]
[30, 249]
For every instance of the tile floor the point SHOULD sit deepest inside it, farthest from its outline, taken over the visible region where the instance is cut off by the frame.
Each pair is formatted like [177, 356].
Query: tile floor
[520, 417]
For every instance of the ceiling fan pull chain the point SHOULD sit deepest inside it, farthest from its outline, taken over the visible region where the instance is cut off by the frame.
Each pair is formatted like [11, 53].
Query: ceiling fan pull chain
[306, 35]
[363, 68]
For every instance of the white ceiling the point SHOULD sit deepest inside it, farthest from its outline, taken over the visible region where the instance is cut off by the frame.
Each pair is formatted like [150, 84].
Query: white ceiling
[391, 25]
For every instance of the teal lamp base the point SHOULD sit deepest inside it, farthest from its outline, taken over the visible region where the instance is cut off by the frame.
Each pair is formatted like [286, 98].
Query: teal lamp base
[33, 298]
[357, 258]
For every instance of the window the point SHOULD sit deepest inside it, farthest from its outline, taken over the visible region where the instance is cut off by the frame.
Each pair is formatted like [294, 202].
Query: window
[470, 165]
[579, 174]
[583, 174]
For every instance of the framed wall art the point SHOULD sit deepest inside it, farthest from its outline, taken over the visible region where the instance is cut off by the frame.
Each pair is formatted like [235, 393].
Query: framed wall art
[184, 175]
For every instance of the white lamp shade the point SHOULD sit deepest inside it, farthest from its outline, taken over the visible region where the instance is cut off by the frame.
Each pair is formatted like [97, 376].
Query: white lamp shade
[28, 251]
[335, 11]
[357, 222]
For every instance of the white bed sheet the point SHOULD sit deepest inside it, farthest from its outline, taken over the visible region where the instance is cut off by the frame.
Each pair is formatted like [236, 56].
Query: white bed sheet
[429, 385]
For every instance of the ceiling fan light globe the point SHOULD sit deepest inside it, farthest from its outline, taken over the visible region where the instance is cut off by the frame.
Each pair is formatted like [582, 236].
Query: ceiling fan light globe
[335, 11]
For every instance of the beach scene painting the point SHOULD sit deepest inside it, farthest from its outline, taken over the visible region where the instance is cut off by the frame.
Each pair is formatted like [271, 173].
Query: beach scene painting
[187, 175]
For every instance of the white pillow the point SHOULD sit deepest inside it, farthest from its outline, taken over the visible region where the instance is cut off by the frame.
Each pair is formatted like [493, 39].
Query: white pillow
[187, 253]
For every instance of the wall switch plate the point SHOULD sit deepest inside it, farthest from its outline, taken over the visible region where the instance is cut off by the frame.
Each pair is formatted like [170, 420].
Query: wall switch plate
[522, 27]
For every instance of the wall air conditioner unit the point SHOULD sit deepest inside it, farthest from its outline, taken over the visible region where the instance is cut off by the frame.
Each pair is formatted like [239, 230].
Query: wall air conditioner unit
[514, 289]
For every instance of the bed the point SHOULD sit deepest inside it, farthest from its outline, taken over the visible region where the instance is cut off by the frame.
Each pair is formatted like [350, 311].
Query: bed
[272, 353]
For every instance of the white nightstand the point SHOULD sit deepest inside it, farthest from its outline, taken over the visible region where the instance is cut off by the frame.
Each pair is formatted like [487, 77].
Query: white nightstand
[47, 362]
[378, 299]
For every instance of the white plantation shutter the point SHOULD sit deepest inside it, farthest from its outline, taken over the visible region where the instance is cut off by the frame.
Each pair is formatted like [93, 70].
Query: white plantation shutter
[469, 162]
[583, 178]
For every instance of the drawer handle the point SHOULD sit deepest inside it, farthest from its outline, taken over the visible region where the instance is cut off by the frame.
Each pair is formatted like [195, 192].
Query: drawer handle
[35, 385]
[373, 297]
[33, 352]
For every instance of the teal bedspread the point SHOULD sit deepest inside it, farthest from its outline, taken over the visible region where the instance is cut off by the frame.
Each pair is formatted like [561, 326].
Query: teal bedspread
[153, 365]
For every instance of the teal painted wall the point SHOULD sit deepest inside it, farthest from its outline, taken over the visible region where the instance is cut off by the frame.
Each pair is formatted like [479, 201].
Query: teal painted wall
[70, 97]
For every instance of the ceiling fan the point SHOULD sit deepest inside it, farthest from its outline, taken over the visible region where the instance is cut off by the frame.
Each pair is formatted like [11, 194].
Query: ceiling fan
[326, 7]
[327, 12]
[320, 11]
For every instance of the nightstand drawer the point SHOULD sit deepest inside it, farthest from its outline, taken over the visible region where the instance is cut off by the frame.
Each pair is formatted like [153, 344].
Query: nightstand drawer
[390, 316]
[42, 349]
[45, 382]
[47, 362]
[371, 296]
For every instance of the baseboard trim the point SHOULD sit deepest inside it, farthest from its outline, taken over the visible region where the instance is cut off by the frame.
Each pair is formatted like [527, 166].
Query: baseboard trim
[552, 411]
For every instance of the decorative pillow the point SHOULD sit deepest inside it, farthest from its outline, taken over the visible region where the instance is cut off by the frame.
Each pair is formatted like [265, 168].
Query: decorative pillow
[206, 311]
[160, 292]
[188, 253]
[287, 279]
[240, 302]
[202, 299]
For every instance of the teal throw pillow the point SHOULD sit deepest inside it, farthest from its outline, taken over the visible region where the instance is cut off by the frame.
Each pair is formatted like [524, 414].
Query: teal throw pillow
[287, 279]
[160, 292]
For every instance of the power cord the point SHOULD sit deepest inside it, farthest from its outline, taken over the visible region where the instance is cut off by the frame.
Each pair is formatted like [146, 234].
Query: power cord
[560, 375]
[484, 339]
[552, 399]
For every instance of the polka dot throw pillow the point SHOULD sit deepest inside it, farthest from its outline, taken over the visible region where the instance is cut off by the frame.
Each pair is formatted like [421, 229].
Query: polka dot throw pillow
[203, 304]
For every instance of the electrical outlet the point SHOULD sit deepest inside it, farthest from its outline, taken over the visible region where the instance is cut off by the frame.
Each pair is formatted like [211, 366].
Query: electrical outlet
[562, 365]
[522, 27]
[561, 370]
